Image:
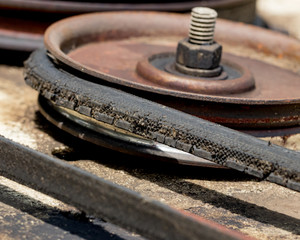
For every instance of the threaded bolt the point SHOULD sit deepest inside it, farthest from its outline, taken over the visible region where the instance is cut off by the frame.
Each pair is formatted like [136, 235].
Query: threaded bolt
[202, 25]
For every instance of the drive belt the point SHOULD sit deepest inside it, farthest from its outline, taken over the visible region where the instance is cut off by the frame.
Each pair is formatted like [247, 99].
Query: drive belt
[165, 125]
[104, 199]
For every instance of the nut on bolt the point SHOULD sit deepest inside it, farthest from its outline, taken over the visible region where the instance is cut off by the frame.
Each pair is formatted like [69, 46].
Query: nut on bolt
[199, 55]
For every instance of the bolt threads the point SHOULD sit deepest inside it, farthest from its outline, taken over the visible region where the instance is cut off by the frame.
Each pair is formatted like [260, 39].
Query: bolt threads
[202, 25]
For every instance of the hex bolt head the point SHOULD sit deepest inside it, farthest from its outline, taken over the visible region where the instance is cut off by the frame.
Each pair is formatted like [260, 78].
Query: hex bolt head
[198, 56]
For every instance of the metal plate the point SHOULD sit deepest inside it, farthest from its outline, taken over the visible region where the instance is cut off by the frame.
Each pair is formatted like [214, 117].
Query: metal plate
[22, 23]
[113, 138]
[108, 46]
[234, 6]
[21, 34]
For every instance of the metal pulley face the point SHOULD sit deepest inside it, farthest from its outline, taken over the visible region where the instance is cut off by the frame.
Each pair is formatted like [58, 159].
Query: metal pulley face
[258, 88]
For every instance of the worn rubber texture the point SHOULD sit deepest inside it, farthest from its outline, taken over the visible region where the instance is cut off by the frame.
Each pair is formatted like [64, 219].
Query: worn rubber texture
[163, 124]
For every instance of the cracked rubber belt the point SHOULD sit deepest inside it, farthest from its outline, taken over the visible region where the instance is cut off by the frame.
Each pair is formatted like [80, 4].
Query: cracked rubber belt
[153, 121]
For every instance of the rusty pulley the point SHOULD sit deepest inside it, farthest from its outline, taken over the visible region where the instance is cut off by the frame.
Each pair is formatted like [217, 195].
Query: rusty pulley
[257, 88]
[101, 70]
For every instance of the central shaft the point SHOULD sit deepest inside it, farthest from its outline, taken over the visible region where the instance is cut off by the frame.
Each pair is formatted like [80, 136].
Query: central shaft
[202, 25]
